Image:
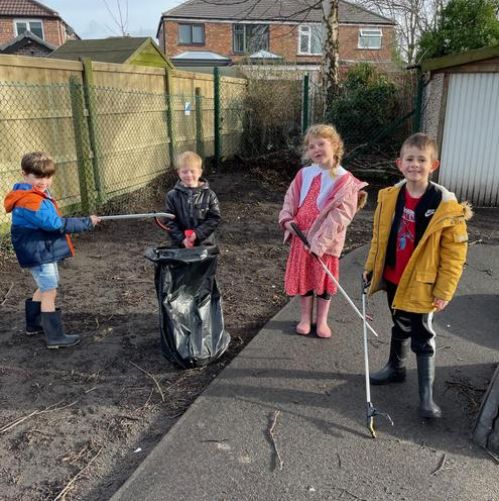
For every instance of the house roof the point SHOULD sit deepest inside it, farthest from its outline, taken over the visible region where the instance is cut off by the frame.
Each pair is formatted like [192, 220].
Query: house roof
[264, 54]
[470, 56]
[202, 54]
[271, 10]
[22, 40]
[25, 8]
[203, 58]
[110, 50]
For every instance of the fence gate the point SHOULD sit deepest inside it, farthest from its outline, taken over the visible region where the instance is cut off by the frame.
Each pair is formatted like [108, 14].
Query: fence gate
[470, 142]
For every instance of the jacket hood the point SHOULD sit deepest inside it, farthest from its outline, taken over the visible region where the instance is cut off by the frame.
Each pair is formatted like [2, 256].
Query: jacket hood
[21, 191]
[181, 186]
[447, 196]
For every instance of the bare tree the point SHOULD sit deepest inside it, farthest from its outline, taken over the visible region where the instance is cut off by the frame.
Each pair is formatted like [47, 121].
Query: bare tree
[119, 17]
[331, 47]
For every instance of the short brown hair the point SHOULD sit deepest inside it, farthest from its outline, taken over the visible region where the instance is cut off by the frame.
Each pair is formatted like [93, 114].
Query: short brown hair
[188, 157]
[422, 142]
[38, 163]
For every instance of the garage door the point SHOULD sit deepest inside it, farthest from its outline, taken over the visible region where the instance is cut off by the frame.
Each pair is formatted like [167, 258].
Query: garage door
[470, 145]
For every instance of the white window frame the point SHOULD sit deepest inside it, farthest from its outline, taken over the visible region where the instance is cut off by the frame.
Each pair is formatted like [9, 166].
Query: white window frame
[370, 33]
[305, 30]
[27, 22]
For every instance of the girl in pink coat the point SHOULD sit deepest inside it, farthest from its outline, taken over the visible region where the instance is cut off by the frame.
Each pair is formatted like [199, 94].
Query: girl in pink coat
[321, 200]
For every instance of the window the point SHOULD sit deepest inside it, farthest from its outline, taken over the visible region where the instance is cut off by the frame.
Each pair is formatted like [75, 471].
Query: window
[310, 39]
[191, 34]
[23, 25]
[370, 38]
[249, 38]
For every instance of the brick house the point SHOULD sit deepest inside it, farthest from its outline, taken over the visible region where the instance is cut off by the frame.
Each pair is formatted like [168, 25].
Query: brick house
[289, 30]
[30, 28]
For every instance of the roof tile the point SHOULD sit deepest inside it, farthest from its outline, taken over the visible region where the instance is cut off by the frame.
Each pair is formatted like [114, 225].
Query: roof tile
[271, 10]
[24, 8]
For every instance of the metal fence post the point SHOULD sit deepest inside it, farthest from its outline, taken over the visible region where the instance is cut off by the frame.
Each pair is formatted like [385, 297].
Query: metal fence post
[82, 144]
[199, 123]
[305, 102]
[217, 116]
[88, 94]
[169, 115]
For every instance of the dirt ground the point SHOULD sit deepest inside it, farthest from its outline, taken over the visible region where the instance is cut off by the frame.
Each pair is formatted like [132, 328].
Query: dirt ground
[75, 423]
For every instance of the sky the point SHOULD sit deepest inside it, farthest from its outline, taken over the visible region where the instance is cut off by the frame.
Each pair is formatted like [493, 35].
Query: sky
[91, 18]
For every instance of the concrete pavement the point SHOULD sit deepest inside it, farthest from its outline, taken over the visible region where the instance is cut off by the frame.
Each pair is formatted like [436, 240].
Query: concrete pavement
[220, 450]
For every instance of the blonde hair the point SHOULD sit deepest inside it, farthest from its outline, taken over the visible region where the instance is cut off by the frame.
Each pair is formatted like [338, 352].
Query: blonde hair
[328, 132]
[38, 163]
[190, 158]
[423, 142]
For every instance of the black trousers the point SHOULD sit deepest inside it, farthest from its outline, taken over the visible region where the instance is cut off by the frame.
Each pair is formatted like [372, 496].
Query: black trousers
[414, 326]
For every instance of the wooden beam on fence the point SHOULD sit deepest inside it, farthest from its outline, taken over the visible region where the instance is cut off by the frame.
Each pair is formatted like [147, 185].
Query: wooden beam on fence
[199, 123]
[89, 96]
[169, 115]
[217, 117]
[82, 144]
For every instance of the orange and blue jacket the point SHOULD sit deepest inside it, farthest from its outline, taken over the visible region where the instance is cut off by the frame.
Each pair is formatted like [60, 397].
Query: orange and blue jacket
[39, 233]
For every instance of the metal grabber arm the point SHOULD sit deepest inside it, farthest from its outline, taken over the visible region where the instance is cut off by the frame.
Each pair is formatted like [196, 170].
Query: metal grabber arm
[372, 412]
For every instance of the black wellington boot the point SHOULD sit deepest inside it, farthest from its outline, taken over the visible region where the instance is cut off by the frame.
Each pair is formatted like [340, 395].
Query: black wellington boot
[54, 331]
[33, 321]
[394, 370]
[426, 375]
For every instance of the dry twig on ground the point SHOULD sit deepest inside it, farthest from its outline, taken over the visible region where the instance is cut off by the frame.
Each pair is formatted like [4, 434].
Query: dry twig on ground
[162, 395]
[271, 435]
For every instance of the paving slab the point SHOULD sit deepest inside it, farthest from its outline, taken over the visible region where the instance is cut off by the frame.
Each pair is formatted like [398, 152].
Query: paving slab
[312, 391]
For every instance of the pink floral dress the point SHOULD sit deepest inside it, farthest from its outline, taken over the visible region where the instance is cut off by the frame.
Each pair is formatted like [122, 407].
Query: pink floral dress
[303, 272]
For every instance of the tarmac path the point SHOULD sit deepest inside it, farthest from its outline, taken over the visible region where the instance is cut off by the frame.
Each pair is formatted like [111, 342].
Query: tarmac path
[221, 449]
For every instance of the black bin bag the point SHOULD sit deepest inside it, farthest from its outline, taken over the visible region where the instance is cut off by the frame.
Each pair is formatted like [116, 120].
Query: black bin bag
[190, 308]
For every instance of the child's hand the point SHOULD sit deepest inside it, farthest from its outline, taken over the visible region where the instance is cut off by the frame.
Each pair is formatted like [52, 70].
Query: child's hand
[366, 278]
[288, 226]
[95, 220]
[439, 304]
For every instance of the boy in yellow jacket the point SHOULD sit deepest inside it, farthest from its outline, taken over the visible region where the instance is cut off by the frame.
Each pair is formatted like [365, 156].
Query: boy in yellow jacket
[417, 255]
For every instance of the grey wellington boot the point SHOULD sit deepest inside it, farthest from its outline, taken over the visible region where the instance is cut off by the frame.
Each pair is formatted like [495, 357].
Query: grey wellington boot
[33, 320]
[426, 375]
[54, 331]
[394, 370]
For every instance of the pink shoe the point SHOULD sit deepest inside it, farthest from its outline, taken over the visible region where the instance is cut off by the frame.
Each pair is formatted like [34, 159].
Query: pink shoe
[324, 331]
[303, 328]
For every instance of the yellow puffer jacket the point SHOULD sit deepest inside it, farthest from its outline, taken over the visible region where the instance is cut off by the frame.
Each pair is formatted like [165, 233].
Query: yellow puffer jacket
[436, 264]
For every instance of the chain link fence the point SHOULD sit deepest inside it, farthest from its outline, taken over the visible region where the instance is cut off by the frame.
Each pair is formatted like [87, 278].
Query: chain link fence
[109, 142]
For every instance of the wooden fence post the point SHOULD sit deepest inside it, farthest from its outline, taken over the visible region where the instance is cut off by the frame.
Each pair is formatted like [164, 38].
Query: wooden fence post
[199, 123]
[90, 104]
[82, 144]
[217, 116]
[169, 115]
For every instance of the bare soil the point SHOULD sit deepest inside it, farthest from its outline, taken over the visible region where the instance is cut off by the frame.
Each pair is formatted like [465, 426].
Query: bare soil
[75, 423]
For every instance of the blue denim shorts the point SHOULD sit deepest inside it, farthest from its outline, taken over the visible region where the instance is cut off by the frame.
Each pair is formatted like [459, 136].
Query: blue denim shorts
[46, 276]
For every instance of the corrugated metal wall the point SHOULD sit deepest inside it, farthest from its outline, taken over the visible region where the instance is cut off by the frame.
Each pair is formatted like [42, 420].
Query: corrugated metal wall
[470, 145]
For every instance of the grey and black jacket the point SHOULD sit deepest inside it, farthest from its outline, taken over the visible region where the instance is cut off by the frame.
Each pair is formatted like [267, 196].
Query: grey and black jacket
[195, 209]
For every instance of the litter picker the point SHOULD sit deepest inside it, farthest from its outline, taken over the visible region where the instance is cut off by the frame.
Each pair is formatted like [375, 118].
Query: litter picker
[371, 410]
[146, 215]
[157, 216]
